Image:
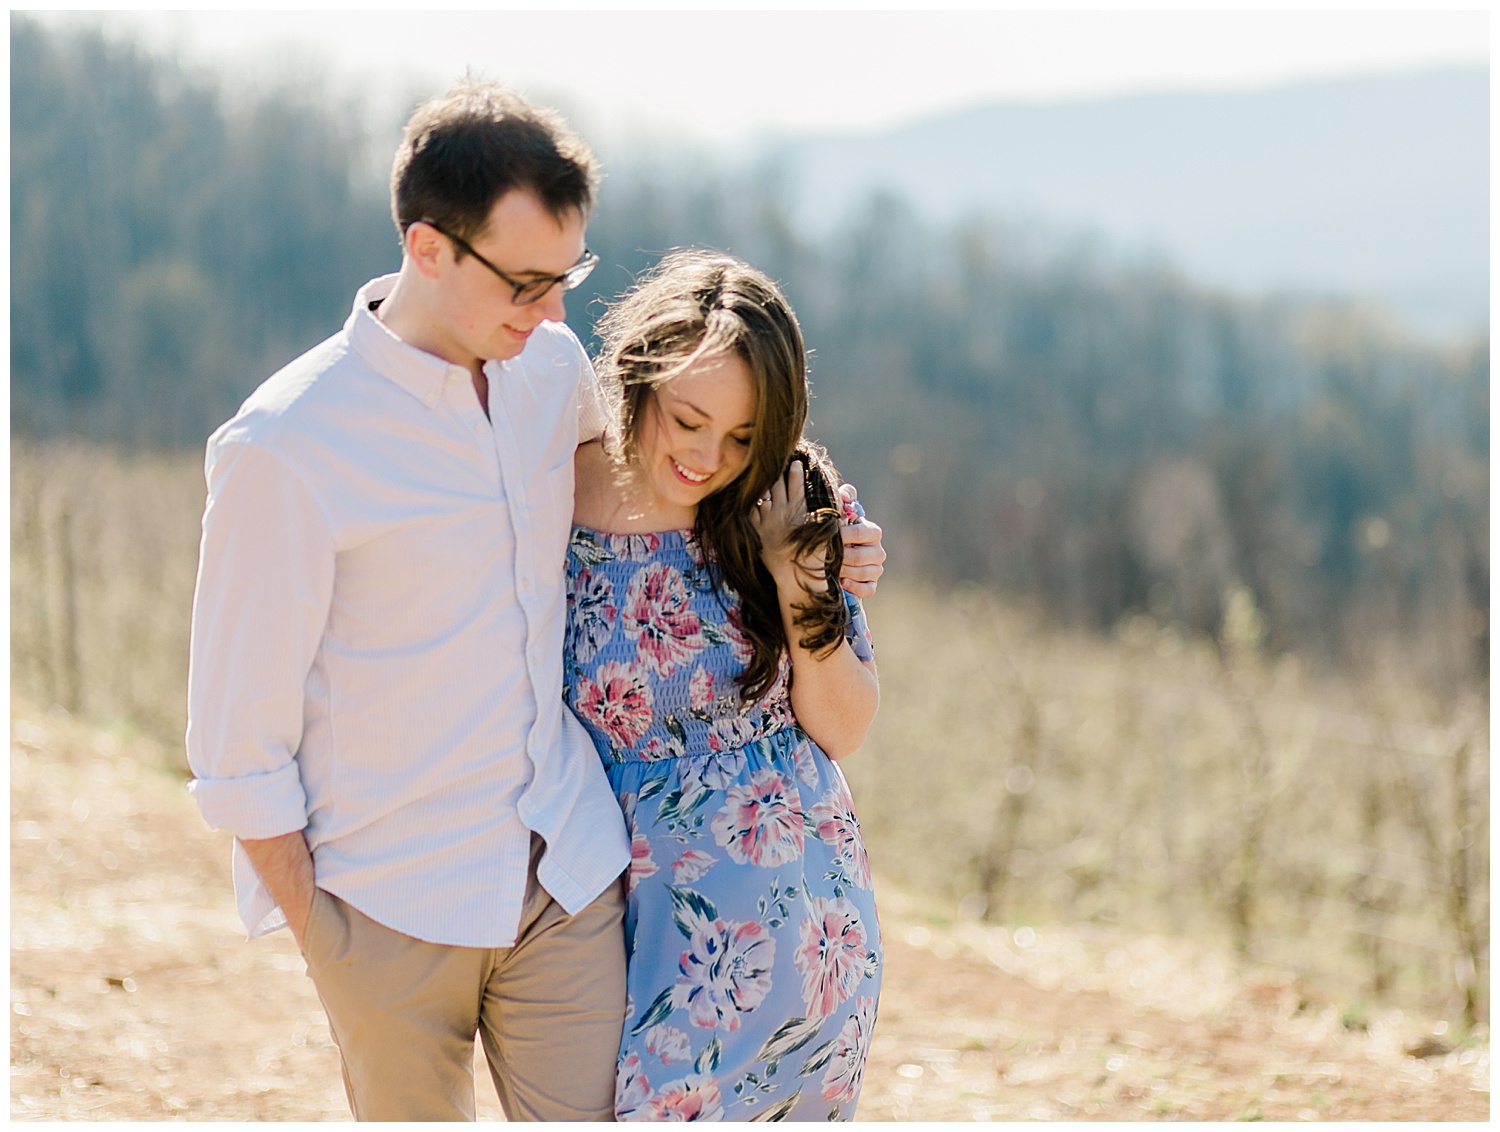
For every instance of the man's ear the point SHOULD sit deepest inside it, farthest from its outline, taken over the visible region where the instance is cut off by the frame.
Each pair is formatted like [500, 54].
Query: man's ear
[427, 249]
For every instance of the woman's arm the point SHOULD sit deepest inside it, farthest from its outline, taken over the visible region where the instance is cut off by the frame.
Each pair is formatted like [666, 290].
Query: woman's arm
[833, 697]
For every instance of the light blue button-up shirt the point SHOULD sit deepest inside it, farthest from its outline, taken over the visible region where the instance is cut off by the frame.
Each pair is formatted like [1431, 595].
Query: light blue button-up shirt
[377, 634]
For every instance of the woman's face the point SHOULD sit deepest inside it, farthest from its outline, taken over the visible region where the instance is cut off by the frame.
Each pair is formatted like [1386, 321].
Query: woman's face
[696, 430]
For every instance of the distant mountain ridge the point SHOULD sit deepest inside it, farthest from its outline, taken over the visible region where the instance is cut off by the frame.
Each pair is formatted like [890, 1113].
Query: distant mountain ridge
[1371, 187]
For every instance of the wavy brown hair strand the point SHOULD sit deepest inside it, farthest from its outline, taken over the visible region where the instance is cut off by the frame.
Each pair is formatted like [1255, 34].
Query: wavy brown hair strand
[821, 614]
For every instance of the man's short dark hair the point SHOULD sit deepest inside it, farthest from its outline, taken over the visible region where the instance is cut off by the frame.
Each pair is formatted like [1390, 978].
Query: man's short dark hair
[465, 150]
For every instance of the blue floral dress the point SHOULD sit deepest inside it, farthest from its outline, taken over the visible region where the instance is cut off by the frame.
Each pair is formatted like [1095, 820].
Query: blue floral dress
[754, 951]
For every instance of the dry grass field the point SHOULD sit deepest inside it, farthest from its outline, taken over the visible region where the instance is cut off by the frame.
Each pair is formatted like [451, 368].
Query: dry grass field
[1135, 877]
[1338, 827]
[134, 995]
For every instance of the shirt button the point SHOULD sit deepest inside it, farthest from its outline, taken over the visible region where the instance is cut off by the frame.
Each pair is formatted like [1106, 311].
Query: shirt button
[431, 399]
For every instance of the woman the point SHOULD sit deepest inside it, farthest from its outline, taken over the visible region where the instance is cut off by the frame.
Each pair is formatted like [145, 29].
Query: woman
[720, 670]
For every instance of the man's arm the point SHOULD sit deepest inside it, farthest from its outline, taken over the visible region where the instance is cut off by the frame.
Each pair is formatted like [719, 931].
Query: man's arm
[863, 553]
[286, 869]
[265, 583]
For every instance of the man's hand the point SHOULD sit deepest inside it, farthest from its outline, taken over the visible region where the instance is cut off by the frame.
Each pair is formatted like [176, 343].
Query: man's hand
[863, 553]
[286, 868]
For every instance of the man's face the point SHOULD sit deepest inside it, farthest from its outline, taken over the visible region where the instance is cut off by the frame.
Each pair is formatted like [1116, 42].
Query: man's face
[476, 307]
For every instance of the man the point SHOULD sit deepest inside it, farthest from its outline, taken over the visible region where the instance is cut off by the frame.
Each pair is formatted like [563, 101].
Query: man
[375, 704]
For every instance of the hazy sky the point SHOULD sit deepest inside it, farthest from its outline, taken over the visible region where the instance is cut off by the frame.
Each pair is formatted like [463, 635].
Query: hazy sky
[726, 76]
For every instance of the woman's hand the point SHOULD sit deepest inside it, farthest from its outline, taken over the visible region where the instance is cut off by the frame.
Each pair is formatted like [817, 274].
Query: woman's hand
[781, 512]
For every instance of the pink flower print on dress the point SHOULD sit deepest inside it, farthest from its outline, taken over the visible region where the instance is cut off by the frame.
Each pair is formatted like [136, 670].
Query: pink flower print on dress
[847, 1065]
[836, 824]
[695, 1097]
[668, 1043]
[701, 690]
[832, 955]
[761, 822]
[658, 615]
[641, 864]
[691, 865]
[618, 701]
[632, 1089]
[725, 972]
[734, 629]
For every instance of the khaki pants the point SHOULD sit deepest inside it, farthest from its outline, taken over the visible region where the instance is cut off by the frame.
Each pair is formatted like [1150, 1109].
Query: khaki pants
[404, 1012]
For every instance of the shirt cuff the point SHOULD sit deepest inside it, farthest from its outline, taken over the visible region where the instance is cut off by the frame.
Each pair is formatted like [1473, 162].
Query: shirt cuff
[255, 806]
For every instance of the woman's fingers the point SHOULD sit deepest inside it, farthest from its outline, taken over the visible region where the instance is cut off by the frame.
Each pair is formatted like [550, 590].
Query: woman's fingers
[796, 492]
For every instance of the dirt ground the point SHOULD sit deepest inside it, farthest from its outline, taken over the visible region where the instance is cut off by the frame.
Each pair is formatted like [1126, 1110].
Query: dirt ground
[134, 995]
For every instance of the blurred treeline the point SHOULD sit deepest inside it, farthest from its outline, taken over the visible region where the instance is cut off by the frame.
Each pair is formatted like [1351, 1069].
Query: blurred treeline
[1017, 410]
[168, 246]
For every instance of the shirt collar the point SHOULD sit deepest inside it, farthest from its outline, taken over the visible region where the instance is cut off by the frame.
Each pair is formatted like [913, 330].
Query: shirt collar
[421, 374]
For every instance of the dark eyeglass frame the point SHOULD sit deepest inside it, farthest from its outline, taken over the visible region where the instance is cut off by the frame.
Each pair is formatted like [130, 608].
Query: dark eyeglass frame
[531, 290]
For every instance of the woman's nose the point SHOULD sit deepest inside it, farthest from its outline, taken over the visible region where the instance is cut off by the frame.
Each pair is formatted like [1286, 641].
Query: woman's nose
[706, 454]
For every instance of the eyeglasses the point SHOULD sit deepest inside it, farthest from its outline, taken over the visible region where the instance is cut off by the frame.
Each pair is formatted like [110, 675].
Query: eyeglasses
[530, 290]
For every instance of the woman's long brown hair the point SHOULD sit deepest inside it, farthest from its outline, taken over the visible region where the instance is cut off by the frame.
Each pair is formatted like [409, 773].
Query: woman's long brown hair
[696, 305]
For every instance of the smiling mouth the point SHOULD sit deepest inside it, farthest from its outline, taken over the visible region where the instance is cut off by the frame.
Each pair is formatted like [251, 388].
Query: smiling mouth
[691, 477]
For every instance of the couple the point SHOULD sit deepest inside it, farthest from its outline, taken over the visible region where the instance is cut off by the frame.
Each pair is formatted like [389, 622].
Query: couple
[426, 533]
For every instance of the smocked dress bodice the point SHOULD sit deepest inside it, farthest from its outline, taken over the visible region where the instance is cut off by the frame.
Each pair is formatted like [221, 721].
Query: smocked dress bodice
[653, 648]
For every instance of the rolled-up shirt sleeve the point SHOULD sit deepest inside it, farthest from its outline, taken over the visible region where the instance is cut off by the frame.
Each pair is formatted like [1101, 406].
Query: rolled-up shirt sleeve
[265, 582]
